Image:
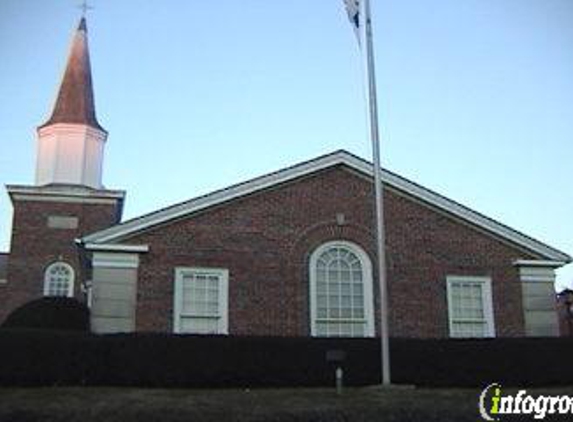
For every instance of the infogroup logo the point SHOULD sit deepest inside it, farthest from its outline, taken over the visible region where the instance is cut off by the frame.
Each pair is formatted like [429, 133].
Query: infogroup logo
[493, 405]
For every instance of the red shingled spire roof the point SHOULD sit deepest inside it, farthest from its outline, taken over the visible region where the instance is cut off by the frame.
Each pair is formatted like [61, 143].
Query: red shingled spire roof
[75, 101]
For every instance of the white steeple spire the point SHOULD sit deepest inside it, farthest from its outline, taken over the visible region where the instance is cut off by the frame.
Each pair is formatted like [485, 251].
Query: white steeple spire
[71, 143]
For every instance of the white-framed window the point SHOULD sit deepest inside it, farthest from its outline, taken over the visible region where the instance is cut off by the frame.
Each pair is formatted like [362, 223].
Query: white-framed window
[470, 306]
[200, 301]
[59, 280]
[341, 300]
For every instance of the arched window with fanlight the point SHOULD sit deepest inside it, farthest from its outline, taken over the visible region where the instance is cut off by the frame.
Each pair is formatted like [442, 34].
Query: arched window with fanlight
[341, 299]
[59, 280]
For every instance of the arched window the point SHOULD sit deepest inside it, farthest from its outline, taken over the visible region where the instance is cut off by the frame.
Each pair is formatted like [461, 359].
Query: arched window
[59, 280]
[341, 291]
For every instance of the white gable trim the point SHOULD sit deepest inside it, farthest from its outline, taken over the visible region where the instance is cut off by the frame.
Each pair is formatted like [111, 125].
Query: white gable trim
[538, 263]
[303, 169]
[109, 247]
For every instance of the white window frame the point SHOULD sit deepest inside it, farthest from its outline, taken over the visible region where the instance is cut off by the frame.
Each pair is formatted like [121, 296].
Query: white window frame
[47, 280]
[223, 274]
[487, 302]
[367, 284]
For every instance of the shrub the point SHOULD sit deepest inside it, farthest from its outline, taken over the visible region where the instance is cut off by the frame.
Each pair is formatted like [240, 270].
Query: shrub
[44, 357]
[216, 361]
[36, 357]
[50, 313]
[32, 357]
[478, 362]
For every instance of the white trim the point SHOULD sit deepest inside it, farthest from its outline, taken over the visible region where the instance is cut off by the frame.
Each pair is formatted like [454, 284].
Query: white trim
[115, 247]
[537, 271]
[537, 274]
[366, 277]
[64, 199]
[47, 279]
[487, 300]
[72, 128]
[331, 160]
[115, 260]
[71, 191]
[211, 199]
[538, 263]
[65, 194]
[223, 274]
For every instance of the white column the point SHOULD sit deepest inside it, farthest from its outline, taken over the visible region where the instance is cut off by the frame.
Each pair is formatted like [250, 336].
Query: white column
[114, 291]
[539, 298]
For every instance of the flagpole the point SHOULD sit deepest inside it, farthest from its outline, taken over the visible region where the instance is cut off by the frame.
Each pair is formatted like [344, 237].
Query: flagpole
[379, 195]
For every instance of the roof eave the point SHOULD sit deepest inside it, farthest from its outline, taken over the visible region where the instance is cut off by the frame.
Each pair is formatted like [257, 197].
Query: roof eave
[340, 157]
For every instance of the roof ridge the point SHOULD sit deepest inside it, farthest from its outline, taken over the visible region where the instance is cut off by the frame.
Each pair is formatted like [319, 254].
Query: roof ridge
[339, 157]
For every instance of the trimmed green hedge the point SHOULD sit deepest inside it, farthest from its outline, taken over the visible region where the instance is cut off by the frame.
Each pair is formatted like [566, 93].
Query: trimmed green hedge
[30, 357]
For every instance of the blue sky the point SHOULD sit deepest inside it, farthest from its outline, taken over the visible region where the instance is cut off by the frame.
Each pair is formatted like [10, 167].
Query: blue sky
[475, 97]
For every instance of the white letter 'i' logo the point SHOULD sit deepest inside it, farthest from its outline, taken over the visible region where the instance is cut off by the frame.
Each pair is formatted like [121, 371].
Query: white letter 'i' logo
[483, 410]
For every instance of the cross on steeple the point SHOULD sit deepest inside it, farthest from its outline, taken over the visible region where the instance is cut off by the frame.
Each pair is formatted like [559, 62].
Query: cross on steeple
[73, 126]
[75, 101]
[84, 8]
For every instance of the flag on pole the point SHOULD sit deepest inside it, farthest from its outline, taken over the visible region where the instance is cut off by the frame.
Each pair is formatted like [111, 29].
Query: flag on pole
[353, 10]
[359, 15]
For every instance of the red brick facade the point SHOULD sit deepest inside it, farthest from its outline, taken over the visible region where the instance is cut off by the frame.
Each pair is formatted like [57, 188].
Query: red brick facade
[265, 241]
[35, 246]
[264, 237]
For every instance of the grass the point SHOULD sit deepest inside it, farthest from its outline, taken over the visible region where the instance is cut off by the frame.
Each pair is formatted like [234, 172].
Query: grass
[131, 404]
[304, 404]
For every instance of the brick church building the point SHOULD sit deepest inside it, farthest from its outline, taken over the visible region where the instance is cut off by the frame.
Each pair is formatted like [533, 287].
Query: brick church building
[289, 253]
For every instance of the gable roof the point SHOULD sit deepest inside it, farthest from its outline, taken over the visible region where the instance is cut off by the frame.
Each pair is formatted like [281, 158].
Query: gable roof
[337, 158]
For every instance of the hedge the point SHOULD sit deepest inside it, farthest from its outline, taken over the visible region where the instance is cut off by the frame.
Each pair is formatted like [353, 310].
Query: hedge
[30, 357]
[532, 362]
[52, 313]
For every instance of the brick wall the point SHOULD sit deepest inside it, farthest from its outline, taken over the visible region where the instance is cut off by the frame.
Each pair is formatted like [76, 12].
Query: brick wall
[265, 241]
[34, 245]
[565, 322]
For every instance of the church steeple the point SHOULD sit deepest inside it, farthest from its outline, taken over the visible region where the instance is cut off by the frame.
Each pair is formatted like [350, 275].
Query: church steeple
[75, 101]
[71, 143]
